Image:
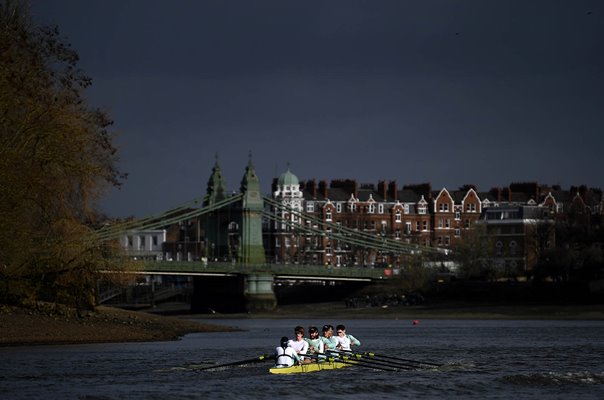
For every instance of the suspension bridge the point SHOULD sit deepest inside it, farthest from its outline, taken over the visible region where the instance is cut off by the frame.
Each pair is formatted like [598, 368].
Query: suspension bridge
[232, 227]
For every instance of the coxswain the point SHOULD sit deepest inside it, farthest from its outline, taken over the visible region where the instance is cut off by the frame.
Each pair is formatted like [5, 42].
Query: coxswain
[285, 356]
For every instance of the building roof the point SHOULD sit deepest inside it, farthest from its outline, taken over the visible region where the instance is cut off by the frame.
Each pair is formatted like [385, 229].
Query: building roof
[287, 178]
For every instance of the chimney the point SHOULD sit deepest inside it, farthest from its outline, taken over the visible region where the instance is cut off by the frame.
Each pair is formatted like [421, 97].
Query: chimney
[311, 187]
[506, 193]
[382, 189]
[496, 192]
[393, 191]
[323, 188]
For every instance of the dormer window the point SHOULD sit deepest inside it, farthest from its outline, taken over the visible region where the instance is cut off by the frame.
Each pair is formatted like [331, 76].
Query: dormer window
[398, 216]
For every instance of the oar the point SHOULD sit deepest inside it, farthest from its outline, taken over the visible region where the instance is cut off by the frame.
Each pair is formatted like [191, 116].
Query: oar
[371, 360]
[367, 359]
[373, 355]
[361, 363]
[263, 357]
[347, 360]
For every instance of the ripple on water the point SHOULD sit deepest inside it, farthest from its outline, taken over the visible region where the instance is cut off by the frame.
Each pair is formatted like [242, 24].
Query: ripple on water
[556, 378]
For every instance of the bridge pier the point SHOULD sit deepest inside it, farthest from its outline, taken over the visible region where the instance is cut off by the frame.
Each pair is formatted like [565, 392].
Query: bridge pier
[259, 294]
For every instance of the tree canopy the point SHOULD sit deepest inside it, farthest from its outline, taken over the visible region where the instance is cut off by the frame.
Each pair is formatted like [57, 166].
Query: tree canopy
[56, 158]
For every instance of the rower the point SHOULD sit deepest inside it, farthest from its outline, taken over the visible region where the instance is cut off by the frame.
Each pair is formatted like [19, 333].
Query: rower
[345, 341]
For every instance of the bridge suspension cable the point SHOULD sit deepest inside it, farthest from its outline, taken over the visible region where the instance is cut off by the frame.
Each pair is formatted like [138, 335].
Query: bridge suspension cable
[346, 234]
[177, 214]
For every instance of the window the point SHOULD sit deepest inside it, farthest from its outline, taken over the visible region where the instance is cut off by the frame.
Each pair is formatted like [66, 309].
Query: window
[447, 223]
[422, 209]
[155, 241]
[397, 234]
[141, 242]
[447, 240]
[381, 208]
[339, 207]
[406, 208]
[458, 232]
[417, 226]
[440, 223]
[398, 216]
[371, 208]
[467, 223]
[425, 227]
[443, 207]
[277, 244]
[407, 228]
[471, 207]
[457, 215]
[328, 215]
[310, 207]
[513, 247]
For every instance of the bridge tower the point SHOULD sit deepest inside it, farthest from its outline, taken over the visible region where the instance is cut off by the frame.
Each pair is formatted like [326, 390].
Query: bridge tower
[252, 248]
[216, 235]
[259, 294]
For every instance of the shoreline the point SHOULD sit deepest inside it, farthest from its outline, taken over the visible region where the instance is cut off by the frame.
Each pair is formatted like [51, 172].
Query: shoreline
[56, 325]
[445, 310]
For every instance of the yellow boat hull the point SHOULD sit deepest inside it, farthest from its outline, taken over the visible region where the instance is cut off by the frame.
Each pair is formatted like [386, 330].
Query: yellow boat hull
[311, 367]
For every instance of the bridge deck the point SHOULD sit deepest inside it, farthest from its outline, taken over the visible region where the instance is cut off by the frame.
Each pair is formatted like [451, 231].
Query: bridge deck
[293, 271]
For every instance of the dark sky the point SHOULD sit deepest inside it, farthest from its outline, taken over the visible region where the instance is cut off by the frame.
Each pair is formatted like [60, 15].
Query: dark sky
[447, 92]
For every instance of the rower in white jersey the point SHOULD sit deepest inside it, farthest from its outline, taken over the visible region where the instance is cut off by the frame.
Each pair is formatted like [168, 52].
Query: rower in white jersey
[345, 341]
[299, 344]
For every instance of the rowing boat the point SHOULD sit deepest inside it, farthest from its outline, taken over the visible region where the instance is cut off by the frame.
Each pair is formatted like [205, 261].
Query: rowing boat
[311, 367]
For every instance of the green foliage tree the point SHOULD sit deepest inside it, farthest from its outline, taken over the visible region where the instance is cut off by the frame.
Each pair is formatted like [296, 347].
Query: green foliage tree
[56, 158]
[475, 254]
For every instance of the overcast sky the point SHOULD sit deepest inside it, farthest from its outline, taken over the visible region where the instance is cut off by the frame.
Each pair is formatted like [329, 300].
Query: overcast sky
[447, 92]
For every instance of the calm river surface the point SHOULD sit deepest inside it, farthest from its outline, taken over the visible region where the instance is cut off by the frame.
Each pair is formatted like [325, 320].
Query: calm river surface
[483, 359]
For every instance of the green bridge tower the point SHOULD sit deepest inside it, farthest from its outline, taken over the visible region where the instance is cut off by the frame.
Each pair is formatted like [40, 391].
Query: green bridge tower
[235, 232]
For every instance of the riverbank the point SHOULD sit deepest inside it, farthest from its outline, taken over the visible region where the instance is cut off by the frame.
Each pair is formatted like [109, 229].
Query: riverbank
[444, 310]
[59, 325]
[51, 324]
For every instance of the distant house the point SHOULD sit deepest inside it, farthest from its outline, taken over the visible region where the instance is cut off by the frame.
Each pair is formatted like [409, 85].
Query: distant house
[519, 234]
[144, 244]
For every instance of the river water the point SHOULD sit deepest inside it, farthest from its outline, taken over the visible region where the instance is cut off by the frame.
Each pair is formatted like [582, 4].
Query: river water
[484, 359]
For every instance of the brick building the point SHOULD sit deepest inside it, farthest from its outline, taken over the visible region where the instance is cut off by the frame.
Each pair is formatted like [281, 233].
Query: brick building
[415, 214]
